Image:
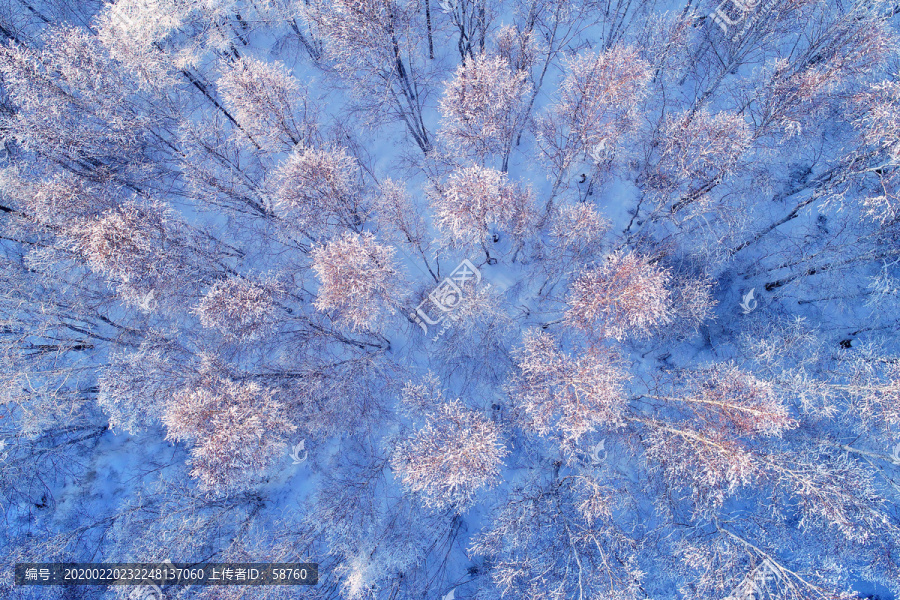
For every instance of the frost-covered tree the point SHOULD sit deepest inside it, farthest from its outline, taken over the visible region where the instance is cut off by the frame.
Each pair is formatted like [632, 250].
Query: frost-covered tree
[318, 191]
[724, 397]
[455, 454]
[376, 534]
[692, 304]
[555, 392]
[624, 295]
[360, 280]
[238, 429]
[424, 397]
[476, 335]
[133, 31]
[483, 108]
[267, 103]
[475, 201]
[880, 132]
[520, 48]
[239, 307]
[60, 201]
[579, 229]
[145, 251]
[137, 384]
[219, 173]
[376, 45]
[75, 107]
[594, 108]
[554, 538]
[699, 149]
[400, 218]
[576, 237]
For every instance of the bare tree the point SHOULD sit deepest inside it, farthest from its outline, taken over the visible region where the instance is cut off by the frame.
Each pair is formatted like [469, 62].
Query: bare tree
[376, 45]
